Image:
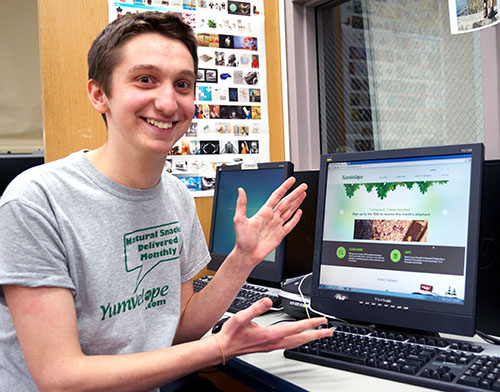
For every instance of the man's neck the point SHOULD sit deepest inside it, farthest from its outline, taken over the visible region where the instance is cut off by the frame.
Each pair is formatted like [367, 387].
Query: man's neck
[131, 171]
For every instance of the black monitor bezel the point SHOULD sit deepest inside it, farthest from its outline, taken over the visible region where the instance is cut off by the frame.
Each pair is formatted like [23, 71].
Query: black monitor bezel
[267, 272]
[413, 314]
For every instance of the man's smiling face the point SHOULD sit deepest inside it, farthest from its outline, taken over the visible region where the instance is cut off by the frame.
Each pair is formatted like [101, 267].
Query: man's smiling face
[151, 102]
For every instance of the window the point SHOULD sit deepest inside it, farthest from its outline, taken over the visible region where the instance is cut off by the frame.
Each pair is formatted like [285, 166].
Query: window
[386, 74]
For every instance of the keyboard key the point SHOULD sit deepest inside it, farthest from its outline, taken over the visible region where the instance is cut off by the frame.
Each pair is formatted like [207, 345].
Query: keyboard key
[471, 381]
[342, 356]
[496, 386]
[409, 369]
[447, 376]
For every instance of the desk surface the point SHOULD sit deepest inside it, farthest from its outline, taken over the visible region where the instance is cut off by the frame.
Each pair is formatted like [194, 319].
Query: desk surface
[310, 377]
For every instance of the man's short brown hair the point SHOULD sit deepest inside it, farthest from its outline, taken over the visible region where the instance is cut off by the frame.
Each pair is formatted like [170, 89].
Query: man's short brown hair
[104, 53]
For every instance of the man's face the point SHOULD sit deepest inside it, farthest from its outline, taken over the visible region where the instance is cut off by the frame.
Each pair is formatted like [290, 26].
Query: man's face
[151, 103]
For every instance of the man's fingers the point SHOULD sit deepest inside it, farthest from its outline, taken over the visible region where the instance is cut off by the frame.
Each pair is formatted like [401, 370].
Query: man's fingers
[278, 194]
[298, 339]
[295, 333]
[302, 325]
[290, 206]
[293, 200]
[241, 204]
[256, 309]
[303, 330]
[288, 226]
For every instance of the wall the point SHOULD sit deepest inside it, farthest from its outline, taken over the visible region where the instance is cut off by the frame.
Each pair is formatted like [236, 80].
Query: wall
[20, 88]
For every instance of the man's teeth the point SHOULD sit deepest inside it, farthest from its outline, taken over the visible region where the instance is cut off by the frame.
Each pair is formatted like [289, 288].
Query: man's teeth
[160, 124]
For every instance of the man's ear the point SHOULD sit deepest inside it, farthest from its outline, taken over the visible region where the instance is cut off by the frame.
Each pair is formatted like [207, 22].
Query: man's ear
[97, 96]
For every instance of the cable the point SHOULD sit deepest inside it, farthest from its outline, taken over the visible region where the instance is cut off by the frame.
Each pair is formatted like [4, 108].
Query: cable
[309, 307]
[302, 295]
[284, 321]
[487, 338]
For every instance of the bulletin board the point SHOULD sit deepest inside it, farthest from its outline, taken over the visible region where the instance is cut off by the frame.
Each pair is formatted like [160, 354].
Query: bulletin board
[230, 124]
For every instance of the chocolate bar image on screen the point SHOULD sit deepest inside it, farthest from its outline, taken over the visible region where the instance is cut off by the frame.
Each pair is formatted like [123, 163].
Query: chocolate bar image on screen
[390, 230]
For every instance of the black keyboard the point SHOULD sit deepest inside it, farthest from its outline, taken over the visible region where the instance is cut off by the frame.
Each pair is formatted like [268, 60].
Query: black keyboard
[433, 362]
[248, 294]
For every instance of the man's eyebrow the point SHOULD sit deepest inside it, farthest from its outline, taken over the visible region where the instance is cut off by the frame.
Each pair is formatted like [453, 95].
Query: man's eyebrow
[143, 67]
[154, 68]
[187, 74]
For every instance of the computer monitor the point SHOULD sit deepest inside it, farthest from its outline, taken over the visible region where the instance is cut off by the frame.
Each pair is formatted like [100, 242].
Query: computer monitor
[397, 238]
[488, 280]
[300, 241]
[13, 164]
[259, 181]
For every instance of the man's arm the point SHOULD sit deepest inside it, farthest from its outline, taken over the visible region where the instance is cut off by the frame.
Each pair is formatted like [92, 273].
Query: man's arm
[45, 322]
[255, 239]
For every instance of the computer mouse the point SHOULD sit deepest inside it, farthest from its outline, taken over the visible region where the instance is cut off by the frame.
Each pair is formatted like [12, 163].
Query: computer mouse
[217, 327]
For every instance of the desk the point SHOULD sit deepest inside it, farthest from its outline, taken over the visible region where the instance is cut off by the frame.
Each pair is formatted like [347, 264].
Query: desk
[273, 372]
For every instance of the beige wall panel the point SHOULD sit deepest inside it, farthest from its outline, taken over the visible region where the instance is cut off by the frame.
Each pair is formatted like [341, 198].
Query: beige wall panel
[274, 75]
[67, 28]
[20, 87]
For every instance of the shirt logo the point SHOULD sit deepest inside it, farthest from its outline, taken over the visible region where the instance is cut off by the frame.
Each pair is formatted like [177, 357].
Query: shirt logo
[145, 249]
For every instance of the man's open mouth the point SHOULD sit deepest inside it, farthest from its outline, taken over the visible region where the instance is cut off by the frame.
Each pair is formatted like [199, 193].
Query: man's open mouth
[159, 124]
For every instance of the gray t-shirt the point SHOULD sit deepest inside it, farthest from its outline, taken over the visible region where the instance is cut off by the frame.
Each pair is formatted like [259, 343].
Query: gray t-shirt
[122, 252]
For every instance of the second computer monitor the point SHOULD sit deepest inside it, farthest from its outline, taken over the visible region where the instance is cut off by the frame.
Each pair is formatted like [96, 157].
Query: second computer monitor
[11, 165]
[259, 182]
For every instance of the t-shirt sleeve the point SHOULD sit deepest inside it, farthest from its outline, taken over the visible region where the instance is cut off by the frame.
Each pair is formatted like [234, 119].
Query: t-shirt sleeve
[32, 253]
[196, 252]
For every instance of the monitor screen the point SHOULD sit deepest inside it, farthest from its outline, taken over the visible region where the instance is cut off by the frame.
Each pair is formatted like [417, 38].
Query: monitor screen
[258, 181]
[397, 237]
[13, 164]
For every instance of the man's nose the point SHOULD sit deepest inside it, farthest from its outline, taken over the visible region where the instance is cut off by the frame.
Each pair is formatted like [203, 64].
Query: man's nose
[166, 100]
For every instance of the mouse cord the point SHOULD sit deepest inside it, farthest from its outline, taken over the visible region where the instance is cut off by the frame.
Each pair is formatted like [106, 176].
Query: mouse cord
[302, 295]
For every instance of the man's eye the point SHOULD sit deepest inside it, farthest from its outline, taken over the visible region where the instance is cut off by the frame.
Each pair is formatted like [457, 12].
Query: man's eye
[145, 79]
[184, 85]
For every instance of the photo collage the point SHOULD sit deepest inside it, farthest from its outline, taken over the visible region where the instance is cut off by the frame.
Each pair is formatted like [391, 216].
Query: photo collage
[230, 123]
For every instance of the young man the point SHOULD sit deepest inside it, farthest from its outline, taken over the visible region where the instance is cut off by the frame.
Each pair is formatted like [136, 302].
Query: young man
[98, 250]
